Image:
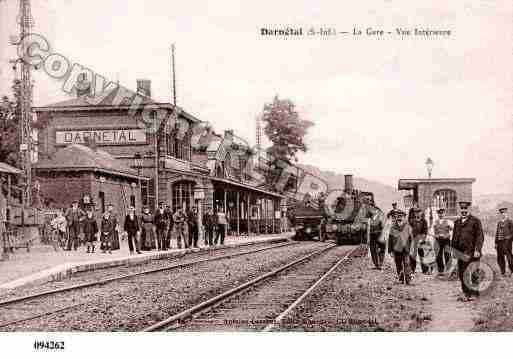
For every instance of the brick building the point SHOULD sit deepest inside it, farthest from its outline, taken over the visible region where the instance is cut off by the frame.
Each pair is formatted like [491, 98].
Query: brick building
[186, 165]
[76, 171]
[440, 192]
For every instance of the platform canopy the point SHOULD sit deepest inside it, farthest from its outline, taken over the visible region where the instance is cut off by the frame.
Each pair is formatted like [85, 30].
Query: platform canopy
[5, 168]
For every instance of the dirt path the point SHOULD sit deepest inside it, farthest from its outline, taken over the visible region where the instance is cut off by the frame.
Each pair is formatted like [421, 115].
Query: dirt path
[447, 313]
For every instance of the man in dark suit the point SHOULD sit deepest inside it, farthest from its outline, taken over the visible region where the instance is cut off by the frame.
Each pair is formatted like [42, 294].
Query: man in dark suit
[160, 222]
[133, 229]
[503, 239]
[467, 241]
[74, 216]
[391, 213]
[419, 229]
[208, 224]
[168, 214]
[192, 222]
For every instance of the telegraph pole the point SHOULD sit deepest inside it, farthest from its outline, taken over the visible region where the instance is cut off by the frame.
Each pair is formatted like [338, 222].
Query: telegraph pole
[25, 22]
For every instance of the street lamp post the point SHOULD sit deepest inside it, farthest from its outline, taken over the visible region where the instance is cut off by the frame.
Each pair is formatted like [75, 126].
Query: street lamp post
[138, 165]
[429, 166]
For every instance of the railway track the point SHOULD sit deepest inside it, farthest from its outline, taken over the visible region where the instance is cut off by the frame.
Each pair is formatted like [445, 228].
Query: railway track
[259, 303]
[36, 300]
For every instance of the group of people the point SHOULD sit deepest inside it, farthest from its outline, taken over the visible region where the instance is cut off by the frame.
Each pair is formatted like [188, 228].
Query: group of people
[156, 230]
[459, 242]
[77, 226]
[145, 231]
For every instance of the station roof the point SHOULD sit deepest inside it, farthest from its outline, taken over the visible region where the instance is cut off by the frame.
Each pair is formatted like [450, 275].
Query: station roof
[5, 168]
[246, 186]
[106, 101]
[412, 183]
[78, 157]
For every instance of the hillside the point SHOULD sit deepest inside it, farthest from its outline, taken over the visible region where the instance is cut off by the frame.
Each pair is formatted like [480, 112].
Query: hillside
[384, 195]
[487, 202]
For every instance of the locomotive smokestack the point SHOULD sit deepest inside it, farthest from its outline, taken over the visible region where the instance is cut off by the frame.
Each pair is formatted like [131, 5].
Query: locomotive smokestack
[348, 183]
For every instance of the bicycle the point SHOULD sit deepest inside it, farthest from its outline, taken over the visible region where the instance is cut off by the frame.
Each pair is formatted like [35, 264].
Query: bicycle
[58, 238]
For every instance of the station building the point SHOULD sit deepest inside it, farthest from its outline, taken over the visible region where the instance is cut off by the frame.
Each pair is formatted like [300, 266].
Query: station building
[437, 192]
[106, 149]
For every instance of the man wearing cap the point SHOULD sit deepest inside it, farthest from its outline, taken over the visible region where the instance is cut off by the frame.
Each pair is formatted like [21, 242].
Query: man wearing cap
[419, 229]
[391, 213]
[376, 245]
[179, 220]
[411, 212]
[399, 242]
[442, 230]
[467, 241]
[74, 216]
[503, 240]
[160, 221]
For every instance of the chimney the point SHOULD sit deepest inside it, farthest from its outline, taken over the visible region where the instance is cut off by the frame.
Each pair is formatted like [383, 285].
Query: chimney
[144, 87]
[83, 85]
[348, 183]
[228, 134]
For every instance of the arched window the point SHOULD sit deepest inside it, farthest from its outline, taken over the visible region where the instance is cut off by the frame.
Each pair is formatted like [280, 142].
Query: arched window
[446, 198]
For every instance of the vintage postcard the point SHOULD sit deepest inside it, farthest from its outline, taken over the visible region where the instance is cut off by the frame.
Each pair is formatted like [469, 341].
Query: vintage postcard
[238, 166]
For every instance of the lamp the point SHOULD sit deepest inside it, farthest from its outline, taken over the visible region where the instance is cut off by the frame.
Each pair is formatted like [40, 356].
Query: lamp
[429, 166]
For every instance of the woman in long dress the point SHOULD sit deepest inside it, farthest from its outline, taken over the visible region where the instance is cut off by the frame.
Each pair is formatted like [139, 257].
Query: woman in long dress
[90, 228]
[147, 233]
[108, 226]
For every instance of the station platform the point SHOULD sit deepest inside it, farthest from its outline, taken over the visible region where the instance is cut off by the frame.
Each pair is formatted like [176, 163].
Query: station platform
[43, 264]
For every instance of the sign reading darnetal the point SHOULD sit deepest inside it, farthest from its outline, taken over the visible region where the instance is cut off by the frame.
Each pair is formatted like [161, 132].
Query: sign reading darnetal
[103, 137]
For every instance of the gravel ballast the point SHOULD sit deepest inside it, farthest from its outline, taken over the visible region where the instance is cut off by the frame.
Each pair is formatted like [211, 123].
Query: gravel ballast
[141, 301]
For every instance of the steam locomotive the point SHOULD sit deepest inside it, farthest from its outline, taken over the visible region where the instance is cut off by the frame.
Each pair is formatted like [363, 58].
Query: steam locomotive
[347, 216]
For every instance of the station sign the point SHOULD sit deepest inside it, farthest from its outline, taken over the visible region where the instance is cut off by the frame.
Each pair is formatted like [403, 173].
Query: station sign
[102, 137]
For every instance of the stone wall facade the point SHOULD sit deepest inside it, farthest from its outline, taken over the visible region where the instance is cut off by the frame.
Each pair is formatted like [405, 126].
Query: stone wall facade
[425, 191]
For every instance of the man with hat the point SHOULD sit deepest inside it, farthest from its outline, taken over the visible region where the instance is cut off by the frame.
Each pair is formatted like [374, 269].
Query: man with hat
[161, 223]
[74, 216]
[391, 213]
[467, 241]
[442, 230]
[503, 240]
[399, 242]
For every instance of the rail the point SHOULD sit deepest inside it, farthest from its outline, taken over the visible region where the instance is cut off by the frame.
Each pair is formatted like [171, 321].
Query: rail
[23, 299]
[212, 302]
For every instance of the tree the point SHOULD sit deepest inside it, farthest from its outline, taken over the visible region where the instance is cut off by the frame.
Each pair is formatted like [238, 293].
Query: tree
[9, 127]
[285, 129]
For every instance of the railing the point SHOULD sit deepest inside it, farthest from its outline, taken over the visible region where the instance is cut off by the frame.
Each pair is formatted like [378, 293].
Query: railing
[13, 238]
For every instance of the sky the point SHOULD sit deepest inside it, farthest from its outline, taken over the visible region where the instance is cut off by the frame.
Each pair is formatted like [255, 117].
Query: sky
[381, 106]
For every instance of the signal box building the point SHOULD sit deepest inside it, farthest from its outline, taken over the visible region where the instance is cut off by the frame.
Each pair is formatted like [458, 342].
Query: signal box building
[437, 192]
